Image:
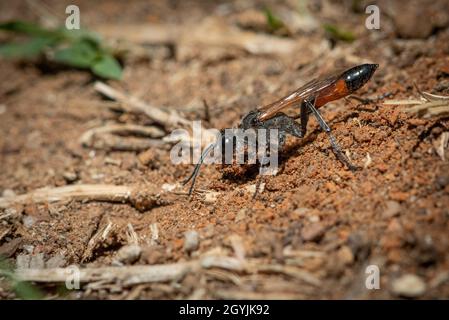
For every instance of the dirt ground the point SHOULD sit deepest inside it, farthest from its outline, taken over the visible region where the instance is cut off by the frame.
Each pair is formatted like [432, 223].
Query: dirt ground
[316, 226]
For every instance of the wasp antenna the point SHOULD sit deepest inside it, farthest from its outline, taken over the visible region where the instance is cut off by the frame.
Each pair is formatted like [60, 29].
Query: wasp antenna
[196, 171]
[184, 182]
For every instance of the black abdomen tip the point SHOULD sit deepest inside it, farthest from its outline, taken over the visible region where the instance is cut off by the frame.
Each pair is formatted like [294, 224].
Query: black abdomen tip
[357, 76]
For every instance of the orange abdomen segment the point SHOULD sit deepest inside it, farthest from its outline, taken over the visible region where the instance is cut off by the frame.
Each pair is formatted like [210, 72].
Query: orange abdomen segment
[331, 93]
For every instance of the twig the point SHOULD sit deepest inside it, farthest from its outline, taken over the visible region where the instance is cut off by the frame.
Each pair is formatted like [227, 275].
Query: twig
[223, 262]
[5, 233]
[222, 267]
[224, 275]
[142, 198]
[127, 275]
[48, 15]
[232, 294]
[100, 235]
[211, 32]
[122, 129]
[402, 102]
[154, 234]
[293, 272]
[131, 235]
[429, 96]
[429, 105]
[105, 137]
[167, 119]
[163, 117]
[441, 146]
[237, 246]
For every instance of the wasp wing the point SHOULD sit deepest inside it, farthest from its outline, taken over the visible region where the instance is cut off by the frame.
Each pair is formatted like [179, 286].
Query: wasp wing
[297, 96]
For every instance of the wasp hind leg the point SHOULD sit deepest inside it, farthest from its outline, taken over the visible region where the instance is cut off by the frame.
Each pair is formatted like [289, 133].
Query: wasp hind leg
[335, 147]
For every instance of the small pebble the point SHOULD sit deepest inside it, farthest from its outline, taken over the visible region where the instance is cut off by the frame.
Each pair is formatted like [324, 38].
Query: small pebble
[70, 176]
[313, 232]
[28, 248]
[169, 187]
[300, 212]
[2, 108]
[147, 157]
[211, 197]
[191, 241]
[251, 189]
[10, 212]
[241, 215]
[128, 254]
[115, 162]
[393, 208]
[8, 193]
[345, 255]
[28, 221]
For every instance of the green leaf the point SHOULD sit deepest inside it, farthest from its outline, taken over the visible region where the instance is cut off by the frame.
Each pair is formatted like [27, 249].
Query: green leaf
[82, 35]
[27, 291]
[81, 54]
[107, 67]
[338, 33]
[28, 28]
[23, 289]
[273, 22]
[28, 49]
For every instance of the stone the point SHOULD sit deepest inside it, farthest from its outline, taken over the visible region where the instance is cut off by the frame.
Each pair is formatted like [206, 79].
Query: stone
[409, 286]
[393, 208]
[241, 215]
[191, 241]
[28, 221]
[128, 253]
[313, 232]
[345, 255]
[8, 193]
[70, 176]
[211, 197]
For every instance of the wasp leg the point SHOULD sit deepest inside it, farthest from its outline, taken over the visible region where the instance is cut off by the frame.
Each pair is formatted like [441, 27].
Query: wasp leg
[336, 148]
[258, 183]
[305, 112]
[260, 177]
[284, 124]
[196, 171]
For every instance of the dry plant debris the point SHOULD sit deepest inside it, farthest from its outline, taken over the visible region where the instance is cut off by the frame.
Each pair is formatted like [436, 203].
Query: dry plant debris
[430, 105]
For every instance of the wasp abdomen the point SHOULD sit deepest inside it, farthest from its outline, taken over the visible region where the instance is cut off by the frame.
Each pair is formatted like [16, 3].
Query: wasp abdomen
[356, 77]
